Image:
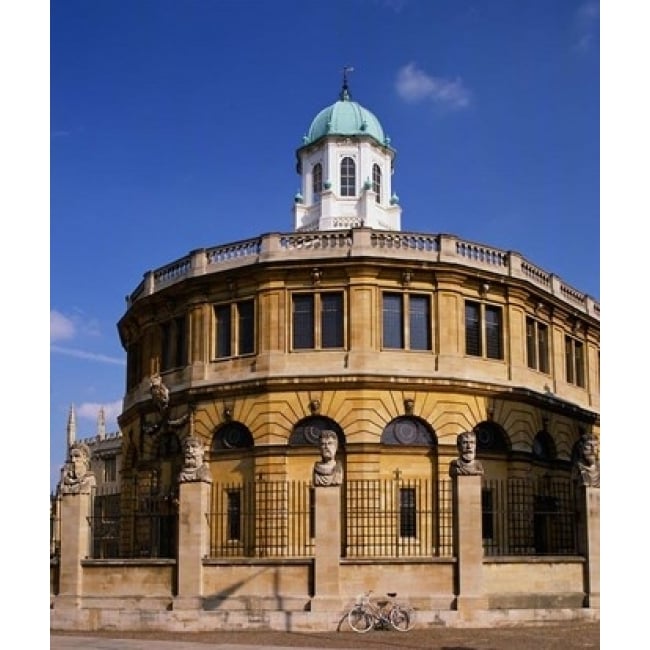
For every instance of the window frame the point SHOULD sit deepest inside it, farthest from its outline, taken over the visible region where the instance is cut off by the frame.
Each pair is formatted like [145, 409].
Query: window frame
[482, 330]
[317, 181]
[319, 325]
[348, 177]
[406, 315]
[229, 344]
[574, 367]
[173, 343]
[376, 182]
[537, 345]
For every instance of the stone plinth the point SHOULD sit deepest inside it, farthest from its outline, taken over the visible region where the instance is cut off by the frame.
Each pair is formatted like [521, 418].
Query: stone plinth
[468, 546]
[327, 549]
[193, 541]
[591, 545]
[75, 546]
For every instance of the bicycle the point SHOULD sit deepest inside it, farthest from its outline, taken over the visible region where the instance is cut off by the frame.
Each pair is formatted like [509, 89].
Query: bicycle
[382, 614]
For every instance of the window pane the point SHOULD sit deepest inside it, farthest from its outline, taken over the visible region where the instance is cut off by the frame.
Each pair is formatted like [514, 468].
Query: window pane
[332, 320]
[303, 322]
[166, 345]
[542, 346]
[580, 365]
[376, 182]
[181, 342]
[317, 181]
[393, 330]
[531, 351]
[493, 332]
[222, 315]
[407, 507]
[246, 327]
[347, 177]
[419, 319]
[568, 352]
[472, 329]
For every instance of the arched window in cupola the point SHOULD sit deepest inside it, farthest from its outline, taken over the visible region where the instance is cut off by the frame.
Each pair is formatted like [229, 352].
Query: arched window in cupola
[376, 182]
[317, 181]
[348, 177]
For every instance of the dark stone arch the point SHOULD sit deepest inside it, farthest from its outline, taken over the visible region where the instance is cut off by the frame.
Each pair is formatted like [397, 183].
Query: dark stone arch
[409, 430]
[232, 435]
[544, 446]
[491, 438]
[307, 431]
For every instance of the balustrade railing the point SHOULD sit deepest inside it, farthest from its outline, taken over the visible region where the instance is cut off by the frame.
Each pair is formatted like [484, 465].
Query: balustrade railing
[447, 248]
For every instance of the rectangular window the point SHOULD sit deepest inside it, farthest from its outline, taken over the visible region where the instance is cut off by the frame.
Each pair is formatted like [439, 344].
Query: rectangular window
[483, 330]
[110, 469]
[222, 316]
[537, 345]
[133, 365]
[419, 323]
[303, 322]
[393, 321]
[407, 512]
[575, 361]
[332, 320]
[234, 515]
[174, 344]
[406, 321]
[318, 321]
[235, 329]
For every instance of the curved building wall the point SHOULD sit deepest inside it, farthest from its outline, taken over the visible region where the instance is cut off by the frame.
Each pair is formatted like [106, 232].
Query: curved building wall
[360, 327]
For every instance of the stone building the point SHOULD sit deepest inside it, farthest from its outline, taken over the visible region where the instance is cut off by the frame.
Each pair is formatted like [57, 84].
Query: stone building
[397, 342]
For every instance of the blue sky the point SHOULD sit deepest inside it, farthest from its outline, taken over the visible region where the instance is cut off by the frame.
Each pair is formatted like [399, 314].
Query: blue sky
[174, 125]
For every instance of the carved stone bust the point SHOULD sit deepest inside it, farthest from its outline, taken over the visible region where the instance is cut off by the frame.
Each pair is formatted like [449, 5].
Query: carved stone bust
[466, 463]
[77, 477]
[194, 467]
[328, 471]
[159, 393]
[586, 469]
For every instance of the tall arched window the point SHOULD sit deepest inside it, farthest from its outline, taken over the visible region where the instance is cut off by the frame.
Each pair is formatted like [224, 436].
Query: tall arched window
[348, 177]
[376, 182]
[317, 181]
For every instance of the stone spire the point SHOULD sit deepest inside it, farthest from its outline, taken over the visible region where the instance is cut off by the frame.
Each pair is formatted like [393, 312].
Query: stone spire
[71, 428]
[101, 424]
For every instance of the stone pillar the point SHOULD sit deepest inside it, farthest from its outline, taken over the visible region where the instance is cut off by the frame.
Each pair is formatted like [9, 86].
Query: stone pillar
[468, 545]
[327, 549]
[589, 543]
[193, 542]
[75, 546]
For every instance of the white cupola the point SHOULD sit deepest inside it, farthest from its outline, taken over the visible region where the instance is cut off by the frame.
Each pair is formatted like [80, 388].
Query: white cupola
[345, 165]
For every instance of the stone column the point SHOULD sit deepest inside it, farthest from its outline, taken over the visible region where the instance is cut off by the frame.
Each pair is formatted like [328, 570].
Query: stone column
[193, 542]
[75, 546]
[468, 545]
[327, 549]
[589, 543]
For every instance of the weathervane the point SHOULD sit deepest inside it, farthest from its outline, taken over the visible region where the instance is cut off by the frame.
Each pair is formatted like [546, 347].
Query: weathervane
[345, 94]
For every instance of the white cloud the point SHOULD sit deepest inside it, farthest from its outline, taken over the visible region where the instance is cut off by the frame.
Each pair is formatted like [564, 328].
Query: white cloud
[414, 85]
[89, 356]
[587, 24]
[90, 410]
[61, 327]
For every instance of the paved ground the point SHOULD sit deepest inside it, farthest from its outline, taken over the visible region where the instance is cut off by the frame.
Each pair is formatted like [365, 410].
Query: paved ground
[549, 636]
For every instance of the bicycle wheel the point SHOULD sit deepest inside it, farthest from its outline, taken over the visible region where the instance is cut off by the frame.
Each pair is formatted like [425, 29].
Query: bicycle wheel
[359, 619]
[402, 618]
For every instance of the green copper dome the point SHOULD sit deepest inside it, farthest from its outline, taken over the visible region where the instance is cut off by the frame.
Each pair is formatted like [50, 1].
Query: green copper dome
[345, 117]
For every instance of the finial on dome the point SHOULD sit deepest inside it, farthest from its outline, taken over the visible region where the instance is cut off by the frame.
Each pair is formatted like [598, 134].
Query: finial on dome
[345, 92]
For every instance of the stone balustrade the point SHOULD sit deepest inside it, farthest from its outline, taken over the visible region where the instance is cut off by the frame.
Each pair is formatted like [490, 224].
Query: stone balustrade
[359, 242]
